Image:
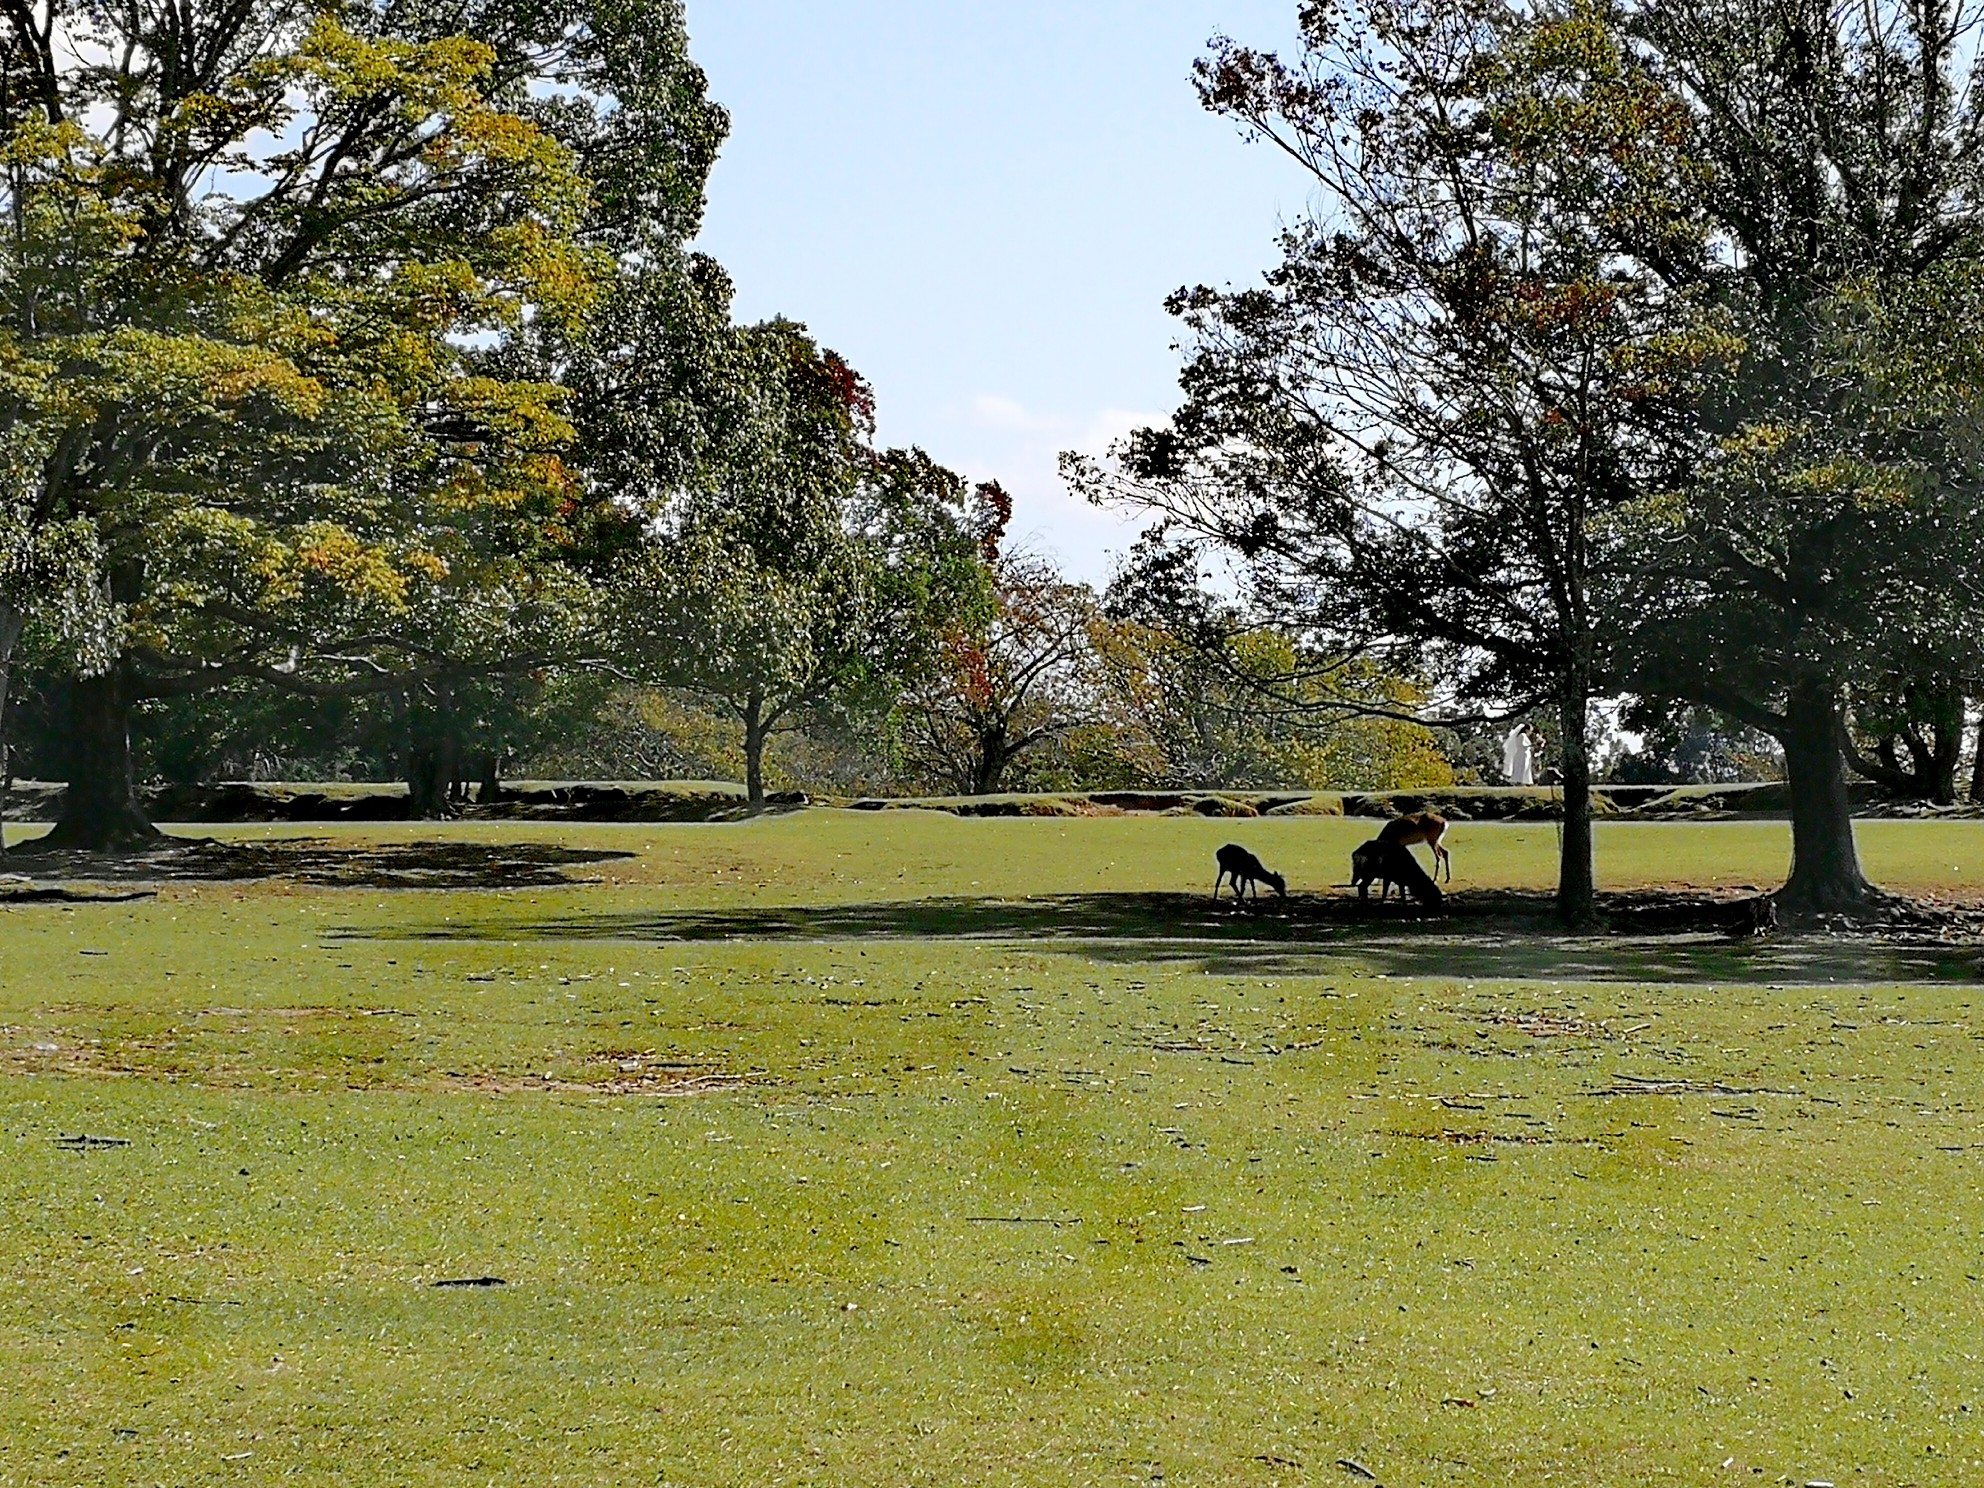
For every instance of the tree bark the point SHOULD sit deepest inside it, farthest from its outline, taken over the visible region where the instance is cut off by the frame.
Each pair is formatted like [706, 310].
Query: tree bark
[755, 731]
[1577, 879]
[992, 762]
[433, 760]
[101, 811]
[1825, 861]
[429, 777]
[11, 621]
[1977, 765]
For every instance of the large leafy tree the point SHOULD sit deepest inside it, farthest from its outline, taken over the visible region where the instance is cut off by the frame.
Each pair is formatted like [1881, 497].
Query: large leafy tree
[1829, 538]
[263, 264]
[1418, 429]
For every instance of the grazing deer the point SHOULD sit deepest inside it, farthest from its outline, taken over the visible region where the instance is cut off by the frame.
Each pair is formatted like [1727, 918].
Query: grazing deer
[1424, 827]
[1367, 863]
[1391, 863]
[1245, 868]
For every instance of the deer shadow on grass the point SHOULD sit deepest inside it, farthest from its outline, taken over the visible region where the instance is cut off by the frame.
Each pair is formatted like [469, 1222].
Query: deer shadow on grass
[1485, 934]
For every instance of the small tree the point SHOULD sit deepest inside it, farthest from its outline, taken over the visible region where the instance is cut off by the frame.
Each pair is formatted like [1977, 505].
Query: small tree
[1009, 686]
[799, 571]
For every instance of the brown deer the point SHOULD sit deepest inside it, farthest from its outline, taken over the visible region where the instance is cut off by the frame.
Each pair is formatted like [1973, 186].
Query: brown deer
[1245, 868]
[1391, 864]
[1424, 827]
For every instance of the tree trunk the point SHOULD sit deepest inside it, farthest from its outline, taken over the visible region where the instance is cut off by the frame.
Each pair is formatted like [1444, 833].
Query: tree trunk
[1977, 765]
[101, 811]
[754, 754]
[428, 779]
[992, 762]
[433, 760]
[491, 788]
[1935, 747]
[10, 634]
[1825, 861]
[1577, 879]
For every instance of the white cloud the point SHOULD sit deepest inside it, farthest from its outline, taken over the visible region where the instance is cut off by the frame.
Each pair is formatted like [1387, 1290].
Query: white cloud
[990, 411]
[1000, 438]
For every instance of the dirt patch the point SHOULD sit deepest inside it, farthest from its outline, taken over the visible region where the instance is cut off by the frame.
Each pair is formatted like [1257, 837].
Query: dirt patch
[178, 1060]
[1480, 1138]
[315, 861]
[661, 1081]
[1546, 1025]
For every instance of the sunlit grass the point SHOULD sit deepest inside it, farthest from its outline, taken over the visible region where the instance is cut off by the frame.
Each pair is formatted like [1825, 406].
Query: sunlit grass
[946, 1210]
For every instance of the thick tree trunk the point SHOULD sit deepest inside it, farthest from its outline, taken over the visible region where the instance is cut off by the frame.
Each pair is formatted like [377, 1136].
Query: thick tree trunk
[1825, 861]
[101, 811]
[755, 731]
[992, 762]
[429, 777]
[491, 787]
[433, 760]
[1577, 879]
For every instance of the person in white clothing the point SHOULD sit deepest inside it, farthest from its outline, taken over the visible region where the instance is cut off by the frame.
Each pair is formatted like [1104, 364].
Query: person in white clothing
[1519, 758]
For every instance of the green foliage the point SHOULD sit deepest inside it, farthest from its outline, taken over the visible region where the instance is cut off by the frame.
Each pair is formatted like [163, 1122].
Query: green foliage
[273, 327]
[798, 572]
[1683, 745]
[1821, 541]
[1249, 715]
[1005, 690]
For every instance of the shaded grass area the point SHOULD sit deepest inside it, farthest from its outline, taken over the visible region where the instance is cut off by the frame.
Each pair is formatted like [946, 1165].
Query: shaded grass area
[977, 1198]
[1485, 935]
[491, 863]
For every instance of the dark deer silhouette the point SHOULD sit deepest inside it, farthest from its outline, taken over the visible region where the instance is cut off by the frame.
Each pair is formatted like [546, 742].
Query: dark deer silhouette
[1244, 868]
[1391, 863]
[1425, 827]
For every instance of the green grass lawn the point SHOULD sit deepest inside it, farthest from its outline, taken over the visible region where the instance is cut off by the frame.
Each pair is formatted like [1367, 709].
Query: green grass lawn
[796, 1176]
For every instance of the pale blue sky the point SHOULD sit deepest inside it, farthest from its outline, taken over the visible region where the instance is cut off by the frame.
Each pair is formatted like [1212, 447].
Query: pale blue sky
[982, 206]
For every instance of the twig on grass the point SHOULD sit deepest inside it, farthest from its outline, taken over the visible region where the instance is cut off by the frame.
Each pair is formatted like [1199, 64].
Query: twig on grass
[1655, 1085]
[1018, 1219]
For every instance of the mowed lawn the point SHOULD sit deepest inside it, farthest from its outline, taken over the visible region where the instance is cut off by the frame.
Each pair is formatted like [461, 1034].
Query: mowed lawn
[795, 1176]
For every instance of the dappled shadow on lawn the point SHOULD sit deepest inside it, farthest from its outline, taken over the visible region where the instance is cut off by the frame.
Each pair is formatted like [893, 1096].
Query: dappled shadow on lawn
[379, 865]
[1649, 937]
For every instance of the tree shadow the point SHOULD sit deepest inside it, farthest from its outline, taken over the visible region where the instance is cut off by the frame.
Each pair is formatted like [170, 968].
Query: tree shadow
[1486, 935]
[397, 865]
